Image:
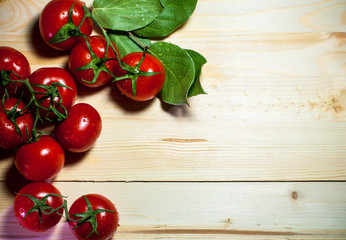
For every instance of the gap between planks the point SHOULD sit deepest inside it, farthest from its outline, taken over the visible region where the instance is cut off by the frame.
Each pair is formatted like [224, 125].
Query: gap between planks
[195, 181]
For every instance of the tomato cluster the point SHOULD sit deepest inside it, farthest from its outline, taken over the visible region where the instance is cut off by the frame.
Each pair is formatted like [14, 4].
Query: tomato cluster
[95, 61]
[39, 206]
[29, 100]
[45, 95]
[49, 94]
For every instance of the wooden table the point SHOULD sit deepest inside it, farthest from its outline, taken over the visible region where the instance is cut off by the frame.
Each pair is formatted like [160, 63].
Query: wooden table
[262, 156]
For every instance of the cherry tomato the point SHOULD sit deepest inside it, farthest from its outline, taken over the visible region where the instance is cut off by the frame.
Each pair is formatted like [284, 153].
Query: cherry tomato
[9, 136]
[81, 56]
[23, 204]
[56, 14]
[81, 129]
[147, 86]
[47, 77]
[41, 160]
[107, 222]
[13, 60]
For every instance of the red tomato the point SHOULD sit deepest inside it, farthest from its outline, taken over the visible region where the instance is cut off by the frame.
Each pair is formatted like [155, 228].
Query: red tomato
[107, 222]
[56, 14]
[81, 129]
[9, 136]
[81, 56]
[23, 204]
[13, 60]
[48, 76]
[41, 160]
[147, 86]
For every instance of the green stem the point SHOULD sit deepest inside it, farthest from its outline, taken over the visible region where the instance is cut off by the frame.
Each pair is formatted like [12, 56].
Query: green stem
[68, 30]
[104, 33]
[52, 92]
[97, 65]
[134, 38]
[41, 206]
[89, 216]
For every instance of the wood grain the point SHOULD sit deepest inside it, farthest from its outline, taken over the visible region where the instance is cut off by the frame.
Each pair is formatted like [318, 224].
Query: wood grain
[230, 165]
[209, 210]
[276, 103]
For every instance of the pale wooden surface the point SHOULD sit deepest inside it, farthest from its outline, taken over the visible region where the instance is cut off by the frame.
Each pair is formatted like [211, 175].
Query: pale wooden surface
[262, 156]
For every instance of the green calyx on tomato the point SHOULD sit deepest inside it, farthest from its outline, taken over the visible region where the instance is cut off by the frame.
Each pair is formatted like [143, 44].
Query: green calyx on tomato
[97, 65]
[89, 216]
[42, 207]
[5, 80]
[68, 30]
[13, 114]
[134, 72]
[52, 92]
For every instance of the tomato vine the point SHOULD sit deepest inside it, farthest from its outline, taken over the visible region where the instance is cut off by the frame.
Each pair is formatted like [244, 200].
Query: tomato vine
[135, 32]
[178, 87]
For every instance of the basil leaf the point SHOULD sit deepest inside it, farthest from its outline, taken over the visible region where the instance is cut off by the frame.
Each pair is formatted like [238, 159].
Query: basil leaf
[180, 71]
[173, 15]
[126, 44]
[125, 15]
[199, 61]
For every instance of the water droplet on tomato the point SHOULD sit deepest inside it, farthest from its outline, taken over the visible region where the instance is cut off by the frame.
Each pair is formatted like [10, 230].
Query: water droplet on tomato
[22, 212]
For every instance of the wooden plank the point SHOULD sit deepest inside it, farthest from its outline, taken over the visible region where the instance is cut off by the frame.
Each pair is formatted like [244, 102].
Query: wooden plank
[252, 152]
[271, 16]
[275, 110]
[208, 210]
[222, 15]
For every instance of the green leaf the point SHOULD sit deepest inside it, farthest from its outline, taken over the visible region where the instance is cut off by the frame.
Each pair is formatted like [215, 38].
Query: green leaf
[173, 15]
[125, 15]
[126, 44]
[180, 71]
[199, 61]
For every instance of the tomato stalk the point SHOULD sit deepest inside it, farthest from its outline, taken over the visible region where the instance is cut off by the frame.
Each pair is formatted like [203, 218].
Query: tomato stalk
[13, 114]
[51, 91]
[97, 65]
[134, 38]
[132, 72]
[104, 33]
[5, 80]
[42, 207]
[68, 30]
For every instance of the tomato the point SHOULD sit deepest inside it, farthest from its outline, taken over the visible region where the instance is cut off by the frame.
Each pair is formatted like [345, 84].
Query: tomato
[12, 60]
[23, 204]
[81, 129]
[56, 14]
[47, 77]
[147, 86]
[81, 56]
[41, 160]
[106, 222]
[9, 136]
